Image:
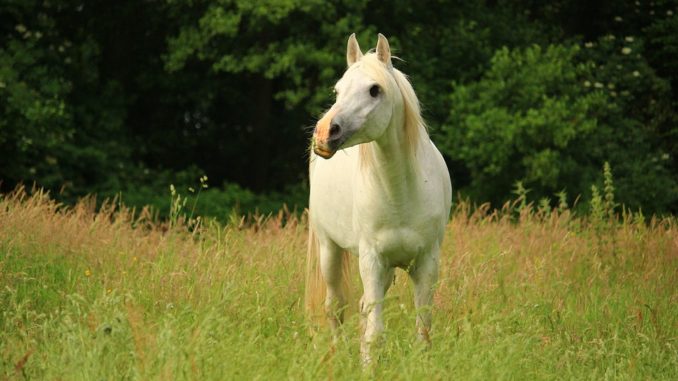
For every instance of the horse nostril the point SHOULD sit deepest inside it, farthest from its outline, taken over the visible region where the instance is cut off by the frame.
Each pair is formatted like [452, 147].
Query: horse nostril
[334, 130]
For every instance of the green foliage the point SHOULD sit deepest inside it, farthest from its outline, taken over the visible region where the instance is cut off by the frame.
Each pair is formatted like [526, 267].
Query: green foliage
[516, 122]
[597, 206]
[549, 116]
[520, 195]
[609, 204]
[603, 206]
[102, 97]
[562, 201]
[33, 89]
[58, 127]
[454, 41]
[271, 41]
[183, 202]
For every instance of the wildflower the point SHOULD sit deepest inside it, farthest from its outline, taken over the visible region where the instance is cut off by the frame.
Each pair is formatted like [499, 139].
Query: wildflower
[587, 84]
[629, 39]
[626, 50]
[21, 28]
[2, 85]
[610, 86]
[636, 73]
[669, 13]
[613, 94]
[173, 190]
[618, 19]
[190, 189]
[598, 85]
[109, 291]
[589, 44]
[88, 273]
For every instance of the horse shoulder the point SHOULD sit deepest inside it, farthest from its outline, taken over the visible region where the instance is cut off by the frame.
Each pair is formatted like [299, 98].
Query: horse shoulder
[331, 197]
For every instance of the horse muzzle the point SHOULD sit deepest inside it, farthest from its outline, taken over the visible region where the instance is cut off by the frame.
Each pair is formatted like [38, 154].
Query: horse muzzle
[328, 135]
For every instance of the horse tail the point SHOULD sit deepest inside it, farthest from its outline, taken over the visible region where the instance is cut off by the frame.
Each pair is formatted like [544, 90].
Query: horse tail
[316, 290]
[315, 285]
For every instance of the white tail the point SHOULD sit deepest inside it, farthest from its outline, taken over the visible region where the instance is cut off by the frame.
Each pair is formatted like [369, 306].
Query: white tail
[316, 290]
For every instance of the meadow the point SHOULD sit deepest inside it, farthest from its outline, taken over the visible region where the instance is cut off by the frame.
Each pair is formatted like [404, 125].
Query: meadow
[525, 292]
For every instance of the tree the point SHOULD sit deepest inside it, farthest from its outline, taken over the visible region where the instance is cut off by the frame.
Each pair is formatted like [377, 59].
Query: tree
[48, 76]
[277, 61]
[551, 116]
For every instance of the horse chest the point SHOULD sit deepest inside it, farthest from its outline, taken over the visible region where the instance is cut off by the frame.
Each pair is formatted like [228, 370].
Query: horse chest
[397, 238]
[398, 246]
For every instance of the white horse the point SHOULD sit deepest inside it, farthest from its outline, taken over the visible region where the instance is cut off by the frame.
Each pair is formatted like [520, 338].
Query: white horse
[385, 198]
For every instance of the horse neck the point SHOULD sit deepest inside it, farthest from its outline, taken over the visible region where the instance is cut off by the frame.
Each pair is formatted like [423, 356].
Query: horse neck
[392, 168]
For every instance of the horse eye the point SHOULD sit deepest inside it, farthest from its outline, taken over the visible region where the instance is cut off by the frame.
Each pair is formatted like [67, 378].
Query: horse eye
[374, 91]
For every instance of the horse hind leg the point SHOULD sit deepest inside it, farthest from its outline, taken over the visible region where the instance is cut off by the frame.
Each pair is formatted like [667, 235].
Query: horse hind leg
[424, 276]
[331, 265]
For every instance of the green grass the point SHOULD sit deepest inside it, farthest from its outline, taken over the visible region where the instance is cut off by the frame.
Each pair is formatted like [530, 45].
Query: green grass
[88, 295]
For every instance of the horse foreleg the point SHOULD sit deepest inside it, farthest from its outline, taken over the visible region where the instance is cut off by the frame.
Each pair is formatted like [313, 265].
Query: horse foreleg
[424, 276]
[390, 277]
[331, 259]
[375, 278]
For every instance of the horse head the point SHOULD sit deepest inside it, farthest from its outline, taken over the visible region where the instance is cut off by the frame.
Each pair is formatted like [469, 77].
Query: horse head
[366, 98]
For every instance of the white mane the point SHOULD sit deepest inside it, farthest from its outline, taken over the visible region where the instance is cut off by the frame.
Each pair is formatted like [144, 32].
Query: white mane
[395, 84]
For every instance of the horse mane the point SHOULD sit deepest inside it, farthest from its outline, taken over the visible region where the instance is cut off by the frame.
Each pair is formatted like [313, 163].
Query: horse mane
[399, 85]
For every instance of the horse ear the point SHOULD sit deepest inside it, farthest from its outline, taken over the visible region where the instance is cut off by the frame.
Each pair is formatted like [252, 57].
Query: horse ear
[384, 51]
[353, 53]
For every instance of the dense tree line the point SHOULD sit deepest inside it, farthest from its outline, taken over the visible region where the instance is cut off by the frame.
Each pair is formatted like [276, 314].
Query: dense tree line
[112, 96]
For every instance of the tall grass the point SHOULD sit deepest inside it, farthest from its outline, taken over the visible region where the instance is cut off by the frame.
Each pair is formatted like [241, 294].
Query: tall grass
[525, 293]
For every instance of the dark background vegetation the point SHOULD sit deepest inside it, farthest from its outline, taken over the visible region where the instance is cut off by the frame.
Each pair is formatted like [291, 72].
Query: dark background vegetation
[127, 97]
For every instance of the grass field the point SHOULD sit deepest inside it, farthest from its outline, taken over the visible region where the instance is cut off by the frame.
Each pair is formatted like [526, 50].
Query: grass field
[525, 294]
